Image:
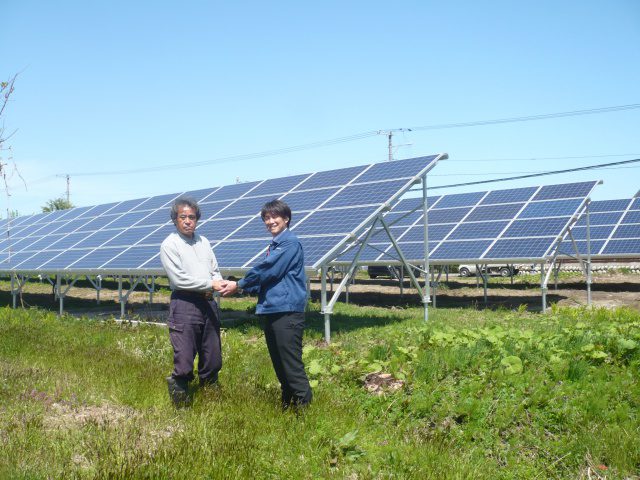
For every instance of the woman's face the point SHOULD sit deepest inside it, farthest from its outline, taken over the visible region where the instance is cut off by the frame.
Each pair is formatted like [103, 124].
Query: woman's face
[275, 224]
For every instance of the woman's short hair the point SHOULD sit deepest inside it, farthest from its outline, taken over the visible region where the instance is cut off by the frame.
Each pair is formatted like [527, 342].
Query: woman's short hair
[276, 208]
[184, 202]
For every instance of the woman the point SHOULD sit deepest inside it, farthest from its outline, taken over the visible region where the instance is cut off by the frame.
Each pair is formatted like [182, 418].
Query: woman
[280, 282]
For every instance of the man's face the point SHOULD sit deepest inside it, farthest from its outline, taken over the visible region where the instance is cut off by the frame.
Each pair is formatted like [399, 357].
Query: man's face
[186, 221]
[275, 224]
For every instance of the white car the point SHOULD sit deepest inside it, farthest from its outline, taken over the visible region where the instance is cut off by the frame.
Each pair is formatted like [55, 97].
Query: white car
[502, 270]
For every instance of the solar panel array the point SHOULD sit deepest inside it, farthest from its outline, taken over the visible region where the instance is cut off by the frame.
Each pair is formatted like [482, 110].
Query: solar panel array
[126, 236]
[614, 230]
[521, 224]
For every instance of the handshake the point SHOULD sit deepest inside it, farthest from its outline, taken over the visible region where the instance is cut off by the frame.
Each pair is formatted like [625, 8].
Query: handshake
[225, 287]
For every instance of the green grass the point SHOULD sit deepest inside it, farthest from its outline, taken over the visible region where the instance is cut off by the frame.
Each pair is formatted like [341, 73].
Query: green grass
[486, 394]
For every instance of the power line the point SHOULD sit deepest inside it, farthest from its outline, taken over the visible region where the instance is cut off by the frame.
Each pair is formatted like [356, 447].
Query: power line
[541, 174]
[358, 136]
[536, 159]
[529, 118]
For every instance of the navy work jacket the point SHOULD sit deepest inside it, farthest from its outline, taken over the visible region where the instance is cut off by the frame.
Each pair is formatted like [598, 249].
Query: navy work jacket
[279, 279]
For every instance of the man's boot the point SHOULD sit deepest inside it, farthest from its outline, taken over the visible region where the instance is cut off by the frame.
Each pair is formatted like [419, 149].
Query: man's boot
[178, 391]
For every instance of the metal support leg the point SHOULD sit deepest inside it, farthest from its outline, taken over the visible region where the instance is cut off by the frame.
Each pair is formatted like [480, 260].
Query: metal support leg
[98, 288]
[543, 287]
[323, 304]
[59, 292]
[120, 296]
[484, 283]
[13, 289]
[588, 257]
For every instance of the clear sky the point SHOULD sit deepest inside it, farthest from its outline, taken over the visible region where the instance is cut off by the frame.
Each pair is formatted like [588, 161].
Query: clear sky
[121, 85]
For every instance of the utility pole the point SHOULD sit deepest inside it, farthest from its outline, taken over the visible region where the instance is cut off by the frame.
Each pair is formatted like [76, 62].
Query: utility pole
[389, 134]
[68, 188]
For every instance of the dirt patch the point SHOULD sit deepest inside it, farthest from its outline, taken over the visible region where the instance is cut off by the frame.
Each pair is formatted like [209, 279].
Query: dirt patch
[379, 383]
[67, 416]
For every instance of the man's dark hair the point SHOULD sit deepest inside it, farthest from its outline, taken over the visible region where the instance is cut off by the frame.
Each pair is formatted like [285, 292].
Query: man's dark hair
[276, 208]
[184, 202]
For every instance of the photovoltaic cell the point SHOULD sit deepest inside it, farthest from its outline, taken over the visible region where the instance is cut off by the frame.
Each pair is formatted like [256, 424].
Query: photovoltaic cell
[324, 222]
[574, 190]
[470, 231]
[599, 232]
[494, 212]
[628, 231]
[331, 177]
[447, 215]
[240, 207]
[567, 247]
[515, 195]
[398, 169]
[277, 186]
[551, 209]
[217, 230]
[97, 210]
[461, 249]
[231, 192]
[622, 246]
[308, 200]
[461, 200]
[608, 218]
[135, 256]
[521, 248]
[539, 227]
[365, 194]
[236, 254]
[403, 218]
[632, 217]
[609, 205]
[97, 258]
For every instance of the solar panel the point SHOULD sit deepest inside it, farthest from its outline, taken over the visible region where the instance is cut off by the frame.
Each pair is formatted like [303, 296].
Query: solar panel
[328, 209]
[522, 224]
[614, 230]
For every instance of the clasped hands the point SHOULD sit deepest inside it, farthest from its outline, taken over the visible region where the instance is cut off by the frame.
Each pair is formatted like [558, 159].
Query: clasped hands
[225, 287]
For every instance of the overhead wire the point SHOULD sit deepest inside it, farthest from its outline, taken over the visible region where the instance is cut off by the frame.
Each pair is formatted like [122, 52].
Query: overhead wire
[355, 137]
[540, 174]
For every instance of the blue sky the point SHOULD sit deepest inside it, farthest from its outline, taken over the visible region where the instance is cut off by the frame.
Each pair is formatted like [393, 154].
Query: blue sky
[114, 86]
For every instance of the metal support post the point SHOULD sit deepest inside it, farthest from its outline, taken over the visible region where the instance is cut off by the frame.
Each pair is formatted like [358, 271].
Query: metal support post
[346, 293]
[588, 256]
[13, 290]
[434, 285]
[485, 280]
[120, 296]
[323, 303]
[98, 288]
[543, 287]
[425, 225]
[58, 292]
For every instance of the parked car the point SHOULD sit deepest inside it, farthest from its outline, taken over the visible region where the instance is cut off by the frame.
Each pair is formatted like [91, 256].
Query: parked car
[502, 270]
[389, 271]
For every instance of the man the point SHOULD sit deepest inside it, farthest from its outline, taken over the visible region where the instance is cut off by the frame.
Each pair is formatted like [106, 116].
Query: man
[194, 317]
[280, 282]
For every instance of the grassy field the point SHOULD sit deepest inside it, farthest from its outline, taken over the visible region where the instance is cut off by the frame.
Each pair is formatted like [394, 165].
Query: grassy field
[471, 394]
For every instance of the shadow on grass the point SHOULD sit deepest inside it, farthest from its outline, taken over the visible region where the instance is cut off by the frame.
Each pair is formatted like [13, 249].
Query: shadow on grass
[411, 300]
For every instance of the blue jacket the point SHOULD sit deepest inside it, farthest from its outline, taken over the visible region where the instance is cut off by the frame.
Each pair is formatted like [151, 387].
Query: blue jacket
[279, 279]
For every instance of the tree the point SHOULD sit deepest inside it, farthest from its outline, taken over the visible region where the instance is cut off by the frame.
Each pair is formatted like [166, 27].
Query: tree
[57, 204]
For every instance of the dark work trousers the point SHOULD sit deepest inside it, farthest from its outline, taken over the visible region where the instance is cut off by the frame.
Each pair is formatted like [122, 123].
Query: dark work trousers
[194, 327]
[283, 332]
